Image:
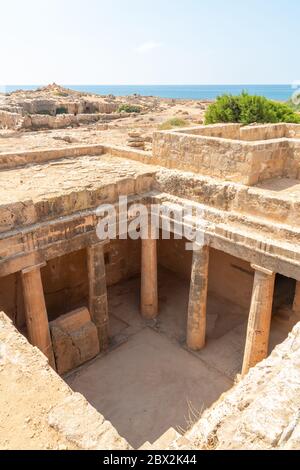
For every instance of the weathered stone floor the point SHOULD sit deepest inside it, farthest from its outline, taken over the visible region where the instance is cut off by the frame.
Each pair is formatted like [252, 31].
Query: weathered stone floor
[150, 366]
[43, 181]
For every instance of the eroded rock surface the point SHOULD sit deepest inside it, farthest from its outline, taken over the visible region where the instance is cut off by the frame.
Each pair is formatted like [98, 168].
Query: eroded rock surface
[260, 412]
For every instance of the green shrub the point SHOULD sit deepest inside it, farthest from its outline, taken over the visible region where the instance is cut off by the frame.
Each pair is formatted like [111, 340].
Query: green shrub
[61, 93]
[248, 109]
[61, 110]
[174, 122]
[128, 108]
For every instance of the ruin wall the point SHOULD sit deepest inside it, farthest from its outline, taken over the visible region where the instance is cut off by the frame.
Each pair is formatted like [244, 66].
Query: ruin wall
[231, 197]
[10, 120]
[262, 153]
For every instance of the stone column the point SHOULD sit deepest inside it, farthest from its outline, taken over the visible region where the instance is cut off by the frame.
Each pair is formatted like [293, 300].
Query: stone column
[36, 313]
[257, 341]
[196, 326]
[98, 304]
[149, 294]
[296, 306]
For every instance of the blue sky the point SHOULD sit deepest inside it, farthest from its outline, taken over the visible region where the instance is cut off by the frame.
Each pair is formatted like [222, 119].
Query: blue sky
[149, 41]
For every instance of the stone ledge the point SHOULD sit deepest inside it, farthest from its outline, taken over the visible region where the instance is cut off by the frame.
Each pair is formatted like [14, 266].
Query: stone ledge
[41, 411]
[261, 411]
[80, 423]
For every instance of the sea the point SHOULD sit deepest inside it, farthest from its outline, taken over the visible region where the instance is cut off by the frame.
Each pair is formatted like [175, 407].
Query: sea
[197, 92]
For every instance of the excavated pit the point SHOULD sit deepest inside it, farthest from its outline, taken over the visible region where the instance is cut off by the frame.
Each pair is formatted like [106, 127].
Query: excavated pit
[55, 270]
[149, 381]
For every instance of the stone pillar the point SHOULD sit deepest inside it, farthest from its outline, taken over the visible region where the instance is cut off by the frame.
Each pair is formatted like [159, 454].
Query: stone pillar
[257, 341]
[196, 326]
[98, 304]
[149, 294]
[296, 306]
[36, 313]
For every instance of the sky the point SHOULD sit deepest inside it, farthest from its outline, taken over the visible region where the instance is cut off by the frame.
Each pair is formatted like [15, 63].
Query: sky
[149, 42]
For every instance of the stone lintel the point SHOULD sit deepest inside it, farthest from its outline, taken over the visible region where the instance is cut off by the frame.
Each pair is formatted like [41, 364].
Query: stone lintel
[263, 270]
[32, 268]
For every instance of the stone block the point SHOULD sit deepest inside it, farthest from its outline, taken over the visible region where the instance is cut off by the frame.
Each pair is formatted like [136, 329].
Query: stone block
[75, 340]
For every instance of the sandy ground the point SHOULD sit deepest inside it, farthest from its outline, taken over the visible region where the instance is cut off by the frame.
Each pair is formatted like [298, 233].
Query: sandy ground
[149, 382]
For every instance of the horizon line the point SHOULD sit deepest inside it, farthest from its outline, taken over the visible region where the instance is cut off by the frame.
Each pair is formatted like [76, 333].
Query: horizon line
[148, 84]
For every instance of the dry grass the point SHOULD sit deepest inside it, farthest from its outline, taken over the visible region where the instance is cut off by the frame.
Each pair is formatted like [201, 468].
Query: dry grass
[171, 123]
[193, 416]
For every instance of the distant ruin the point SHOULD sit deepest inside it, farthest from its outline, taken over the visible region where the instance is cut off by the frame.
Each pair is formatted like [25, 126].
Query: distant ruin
[54, 107]
[176, 323]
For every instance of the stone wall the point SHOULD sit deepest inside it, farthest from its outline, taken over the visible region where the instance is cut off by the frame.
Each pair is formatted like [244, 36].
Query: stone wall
[10, 120]
[22, 158]
[37, 106]
[224, 131]
[263, 132]
[220, 158]
[87, 106]
[292, 167]
[230, 197]
[268, 160]
[247, 133]
[62, 121]
[246, 155]
[293, 131]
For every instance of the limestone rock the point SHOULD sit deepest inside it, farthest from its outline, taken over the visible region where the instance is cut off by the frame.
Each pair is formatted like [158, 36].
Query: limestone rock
[134, 134]
[136, 140]
[80, 423]
[262, 410]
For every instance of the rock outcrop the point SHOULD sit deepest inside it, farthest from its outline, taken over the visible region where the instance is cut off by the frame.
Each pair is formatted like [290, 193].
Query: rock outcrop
[261, 412]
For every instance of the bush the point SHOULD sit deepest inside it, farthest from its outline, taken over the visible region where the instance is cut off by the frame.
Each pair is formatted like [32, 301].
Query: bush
[248, 109]
[174, 122]
[128, 108]
[61, 93]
